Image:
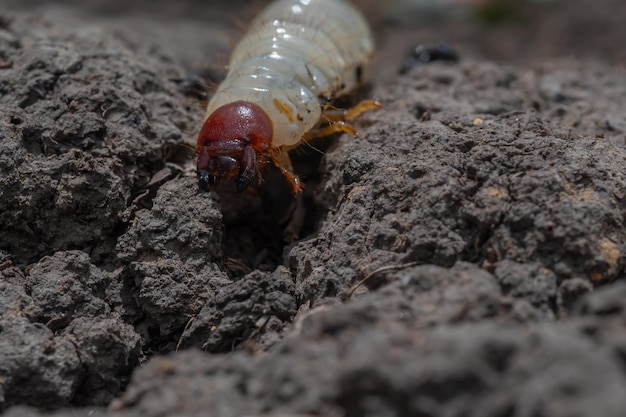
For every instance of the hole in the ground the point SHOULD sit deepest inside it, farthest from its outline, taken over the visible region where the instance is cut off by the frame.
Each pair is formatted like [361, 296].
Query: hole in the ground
[262, 222]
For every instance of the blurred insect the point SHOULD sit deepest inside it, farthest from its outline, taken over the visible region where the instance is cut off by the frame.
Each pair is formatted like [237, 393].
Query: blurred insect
[297, 57]
[424, 54]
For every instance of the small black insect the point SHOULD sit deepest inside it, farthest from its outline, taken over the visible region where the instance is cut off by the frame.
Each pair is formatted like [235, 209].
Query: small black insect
[426, 53]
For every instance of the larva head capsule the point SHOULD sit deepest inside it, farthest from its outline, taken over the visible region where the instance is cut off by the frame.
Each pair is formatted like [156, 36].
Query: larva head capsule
[233, 143]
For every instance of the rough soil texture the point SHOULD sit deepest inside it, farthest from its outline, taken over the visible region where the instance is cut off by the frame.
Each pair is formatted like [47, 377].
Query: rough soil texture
[465, 255]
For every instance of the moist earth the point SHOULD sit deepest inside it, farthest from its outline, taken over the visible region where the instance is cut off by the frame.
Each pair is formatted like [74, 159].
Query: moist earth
[464, 255]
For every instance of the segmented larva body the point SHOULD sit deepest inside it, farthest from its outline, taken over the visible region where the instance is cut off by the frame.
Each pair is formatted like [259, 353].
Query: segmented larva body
[297, 56]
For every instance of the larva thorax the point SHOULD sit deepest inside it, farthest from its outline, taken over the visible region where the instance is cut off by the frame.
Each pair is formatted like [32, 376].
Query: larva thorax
[295, 55]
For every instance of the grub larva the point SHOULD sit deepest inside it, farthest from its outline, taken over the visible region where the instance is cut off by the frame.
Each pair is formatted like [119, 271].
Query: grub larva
[296, 58]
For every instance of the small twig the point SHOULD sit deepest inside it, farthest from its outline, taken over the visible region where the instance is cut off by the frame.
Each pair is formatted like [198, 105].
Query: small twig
[187, 326]
[379, 270]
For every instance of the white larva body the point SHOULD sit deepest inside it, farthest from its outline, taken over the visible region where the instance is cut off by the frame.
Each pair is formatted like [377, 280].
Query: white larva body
[295, 53]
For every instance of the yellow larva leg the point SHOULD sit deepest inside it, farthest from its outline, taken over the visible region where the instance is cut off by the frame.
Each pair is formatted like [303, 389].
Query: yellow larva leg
[334, 115]
[336, 119]
[335, 127]
[281, 159]
[362, 107]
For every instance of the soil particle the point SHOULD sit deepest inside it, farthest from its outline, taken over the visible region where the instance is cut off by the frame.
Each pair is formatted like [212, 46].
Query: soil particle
[32, 356]
[87, 120]
[351, 364]
[170, 253]
[510, 188]
[531, 282]
[253, 309]
[61, 336]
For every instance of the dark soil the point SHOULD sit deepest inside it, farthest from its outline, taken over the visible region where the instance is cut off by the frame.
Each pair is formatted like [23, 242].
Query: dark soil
[463, 256]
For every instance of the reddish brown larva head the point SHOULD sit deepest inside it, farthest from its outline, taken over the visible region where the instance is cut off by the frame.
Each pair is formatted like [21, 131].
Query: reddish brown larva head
[230, 143]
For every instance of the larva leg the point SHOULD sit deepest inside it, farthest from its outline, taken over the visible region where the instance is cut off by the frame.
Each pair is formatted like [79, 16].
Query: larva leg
[334, 127]
[335, 115]
[362, 107]
[283, 163]
[336, 119]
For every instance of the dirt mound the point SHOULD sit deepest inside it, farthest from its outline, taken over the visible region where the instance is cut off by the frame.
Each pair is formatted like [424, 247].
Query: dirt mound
[464, 255]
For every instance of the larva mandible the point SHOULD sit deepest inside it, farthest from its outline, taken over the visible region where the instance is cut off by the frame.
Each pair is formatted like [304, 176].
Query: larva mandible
[297, 56]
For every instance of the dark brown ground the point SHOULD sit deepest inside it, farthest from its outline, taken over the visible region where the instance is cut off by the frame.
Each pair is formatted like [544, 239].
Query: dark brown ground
[491, 255]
